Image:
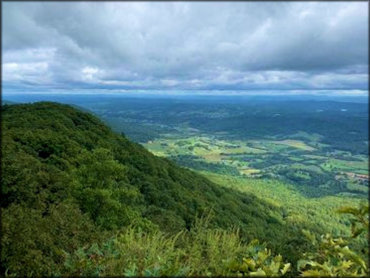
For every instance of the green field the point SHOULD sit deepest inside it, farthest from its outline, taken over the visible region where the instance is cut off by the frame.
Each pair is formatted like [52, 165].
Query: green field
[291, 160]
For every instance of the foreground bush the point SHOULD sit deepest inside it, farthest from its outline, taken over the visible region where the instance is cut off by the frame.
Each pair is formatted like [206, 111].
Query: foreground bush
[334, 256]
[198, 252]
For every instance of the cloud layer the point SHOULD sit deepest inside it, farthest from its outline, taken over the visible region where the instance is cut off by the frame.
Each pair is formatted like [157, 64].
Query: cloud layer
[185, 46]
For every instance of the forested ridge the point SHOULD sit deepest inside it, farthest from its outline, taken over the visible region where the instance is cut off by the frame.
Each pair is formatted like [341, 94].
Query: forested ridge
[79, 199]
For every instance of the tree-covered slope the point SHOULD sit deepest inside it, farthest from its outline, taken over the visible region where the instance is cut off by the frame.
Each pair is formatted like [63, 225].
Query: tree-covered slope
[68, 180]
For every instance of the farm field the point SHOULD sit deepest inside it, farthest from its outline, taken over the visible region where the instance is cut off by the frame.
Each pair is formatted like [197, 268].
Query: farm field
[291, 160]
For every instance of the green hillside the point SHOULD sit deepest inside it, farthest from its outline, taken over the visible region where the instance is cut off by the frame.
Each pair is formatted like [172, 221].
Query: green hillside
[74, 192]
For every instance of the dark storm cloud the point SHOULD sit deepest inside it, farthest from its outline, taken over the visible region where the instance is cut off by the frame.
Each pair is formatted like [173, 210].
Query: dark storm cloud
[139, 45]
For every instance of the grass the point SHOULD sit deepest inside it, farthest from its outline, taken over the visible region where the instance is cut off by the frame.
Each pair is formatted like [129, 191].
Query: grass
[360, 167]
[250, 171]
[357, 187]
[212, 157]
[311, 137]
[295, 144]
[313, 156]
[307, 167]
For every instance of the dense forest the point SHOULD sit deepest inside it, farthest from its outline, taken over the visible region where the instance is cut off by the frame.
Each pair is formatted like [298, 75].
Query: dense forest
[79, 199]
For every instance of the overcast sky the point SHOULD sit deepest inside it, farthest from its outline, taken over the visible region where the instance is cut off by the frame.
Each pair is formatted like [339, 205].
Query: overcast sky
[158, 46]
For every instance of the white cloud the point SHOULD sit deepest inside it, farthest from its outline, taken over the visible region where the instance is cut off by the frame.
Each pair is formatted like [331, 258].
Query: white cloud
[36, 72]
[88, 73]
[186, 45]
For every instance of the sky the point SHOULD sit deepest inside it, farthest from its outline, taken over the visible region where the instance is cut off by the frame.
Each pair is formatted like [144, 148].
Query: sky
[185, 46]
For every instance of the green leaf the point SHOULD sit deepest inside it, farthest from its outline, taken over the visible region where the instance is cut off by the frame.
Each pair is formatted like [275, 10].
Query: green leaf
[259, 272]
[286, 268]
